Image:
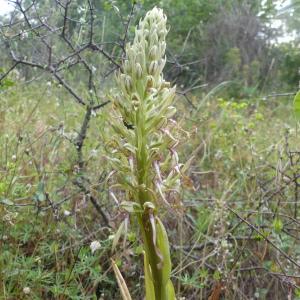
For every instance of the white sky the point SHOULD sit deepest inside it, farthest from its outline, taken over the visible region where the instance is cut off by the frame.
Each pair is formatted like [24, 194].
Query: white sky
[5, 7]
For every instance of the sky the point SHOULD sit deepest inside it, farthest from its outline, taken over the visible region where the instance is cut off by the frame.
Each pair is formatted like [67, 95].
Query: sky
[5, 7]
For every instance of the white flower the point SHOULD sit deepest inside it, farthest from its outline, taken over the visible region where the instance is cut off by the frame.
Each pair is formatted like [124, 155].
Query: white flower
[67, 213]
[95, 245]
[94, 152]
[24, 35]
[219, 154]
[80, 9]
[26, 290]
[111, 236]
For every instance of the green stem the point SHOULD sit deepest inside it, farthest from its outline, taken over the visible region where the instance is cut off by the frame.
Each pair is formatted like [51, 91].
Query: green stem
[145, 196]
[154, 260]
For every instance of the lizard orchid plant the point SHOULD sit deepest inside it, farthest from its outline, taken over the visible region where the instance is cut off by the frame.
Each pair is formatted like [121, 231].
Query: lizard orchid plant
[142, 148]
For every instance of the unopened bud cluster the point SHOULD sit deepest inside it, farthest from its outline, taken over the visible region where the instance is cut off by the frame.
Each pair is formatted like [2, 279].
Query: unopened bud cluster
[144, 146]
[141, 77]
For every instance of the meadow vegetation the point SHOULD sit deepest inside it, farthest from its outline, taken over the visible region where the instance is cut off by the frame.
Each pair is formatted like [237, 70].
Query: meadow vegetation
[233, 227]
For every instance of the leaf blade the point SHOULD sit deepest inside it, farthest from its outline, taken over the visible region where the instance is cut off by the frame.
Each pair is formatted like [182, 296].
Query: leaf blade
[121, 282]
[150, 294]
[297, 105]
[117, 236]
[163, 245]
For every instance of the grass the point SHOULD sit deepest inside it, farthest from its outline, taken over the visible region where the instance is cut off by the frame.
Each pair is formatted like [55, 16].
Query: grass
[242, 161]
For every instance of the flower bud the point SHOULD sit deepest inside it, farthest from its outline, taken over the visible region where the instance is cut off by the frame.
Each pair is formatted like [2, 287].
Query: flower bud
[135, 101]
[153, 67]
[154, 154]
[162, 34]
[153, 53]
[128, 84]
[157, 123]
[165, 85]
[154, 29]
[168, 93]
[162, 64]
[130, 53]
[162, 26]
[138, 36]
[135, 105]
[171, 111]
[162, 48]
[138, 71]
[127, 67]
[154, 39]
[140, 57]
[121, 79]
[135, 97]
[150, 82]
[146, 34]
[153, 91]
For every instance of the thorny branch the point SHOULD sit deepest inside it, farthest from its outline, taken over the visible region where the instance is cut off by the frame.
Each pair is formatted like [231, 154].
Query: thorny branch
[29, 20]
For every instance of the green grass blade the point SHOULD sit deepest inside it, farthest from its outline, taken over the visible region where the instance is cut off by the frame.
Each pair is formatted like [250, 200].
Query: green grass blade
[297, 105]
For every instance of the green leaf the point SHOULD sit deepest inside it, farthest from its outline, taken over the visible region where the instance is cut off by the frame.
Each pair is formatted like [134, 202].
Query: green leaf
[163, 246]
[170, 290]
[40, 192]
[150, 294]
[297, 105]
[277, 225]
[130, 206]
[6, 83]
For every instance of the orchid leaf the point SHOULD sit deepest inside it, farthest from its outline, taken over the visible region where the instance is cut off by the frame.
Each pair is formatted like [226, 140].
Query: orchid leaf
[131, 207]
[150, 294]
[163, 245]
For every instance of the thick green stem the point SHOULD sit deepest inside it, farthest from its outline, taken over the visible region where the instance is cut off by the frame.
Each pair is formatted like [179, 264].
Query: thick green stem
[154, 260]
[145, 196]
